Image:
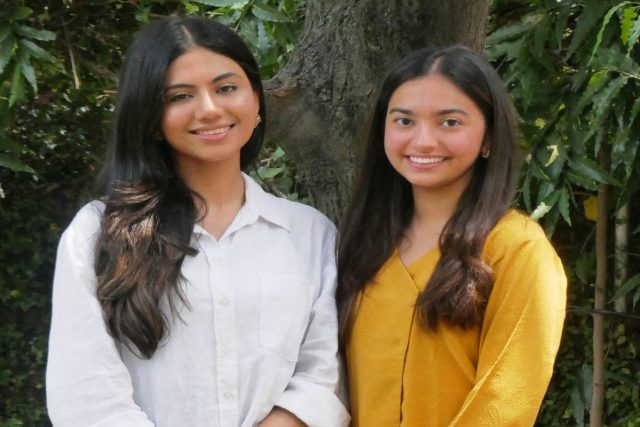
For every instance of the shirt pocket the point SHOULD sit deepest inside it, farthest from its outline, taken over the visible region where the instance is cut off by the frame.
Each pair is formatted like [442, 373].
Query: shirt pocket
[285, 306]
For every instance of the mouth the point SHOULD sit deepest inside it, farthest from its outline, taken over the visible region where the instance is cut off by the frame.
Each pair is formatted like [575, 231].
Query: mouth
[426, 160]
[209, 132]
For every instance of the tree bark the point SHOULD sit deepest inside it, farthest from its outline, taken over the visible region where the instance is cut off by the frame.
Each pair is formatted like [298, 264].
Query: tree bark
[319, 103]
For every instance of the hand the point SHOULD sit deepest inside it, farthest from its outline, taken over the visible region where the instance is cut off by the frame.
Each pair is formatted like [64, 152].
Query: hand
[279, 417]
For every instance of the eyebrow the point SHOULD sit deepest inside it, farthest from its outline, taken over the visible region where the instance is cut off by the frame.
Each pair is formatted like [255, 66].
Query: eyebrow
[216, 79]
[437, 113]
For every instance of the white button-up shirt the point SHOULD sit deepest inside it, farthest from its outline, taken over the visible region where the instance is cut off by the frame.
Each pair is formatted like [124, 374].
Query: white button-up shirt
[259, 330]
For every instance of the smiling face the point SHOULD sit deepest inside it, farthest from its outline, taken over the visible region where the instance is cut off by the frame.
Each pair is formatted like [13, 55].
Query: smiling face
[210, 109]
[433, 134]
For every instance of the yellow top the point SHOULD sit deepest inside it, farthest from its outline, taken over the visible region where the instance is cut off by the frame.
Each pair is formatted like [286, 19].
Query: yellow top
[493, 375]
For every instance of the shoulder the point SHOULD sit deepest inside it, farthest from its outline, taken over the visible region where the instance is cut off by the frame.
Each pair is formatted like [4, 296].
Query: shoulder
[515, 233]
[86, 223]
[295, 217]
[304, 219]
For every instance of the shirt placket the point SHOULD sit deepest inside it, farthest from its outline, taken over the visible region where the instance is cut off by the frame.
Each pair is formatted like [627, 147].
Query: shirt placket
[224, 329]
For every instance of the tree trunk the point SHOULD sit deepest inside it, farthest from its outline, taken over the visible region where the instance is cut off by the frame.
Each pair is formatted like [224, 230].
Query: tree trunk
[319, 103]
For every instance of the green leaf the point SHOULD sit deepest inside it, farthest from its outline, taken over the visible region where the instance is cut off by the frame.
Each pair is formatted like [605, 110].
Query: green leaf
[526, 191]
[263, 38]
[32, 33]
[142, 14]
[591, 169]
[17, 86]
[509, 49]
[28, 72]
[634, 35]
[603, 27]
[627, 287]
[5, 30]
[591, 14]
[220, 3]
[267, 13]
[596, 83]
[560, 24]
[602, 102]
[614, 59]
[248, 33]
[626, 24]
[634, 110]
[511, 31]
[581, 393]
[6, 50]
[36, 51]
[279, 153]
[268, 173]
[21, 13]
[563, 205]
[581, 180]
[14, 164]
[636, 298]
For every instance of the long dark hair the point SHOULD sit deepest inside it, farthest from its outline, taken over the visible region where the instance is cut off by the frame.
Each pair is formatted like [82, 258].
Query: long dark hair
[149, 212]
[382, 205]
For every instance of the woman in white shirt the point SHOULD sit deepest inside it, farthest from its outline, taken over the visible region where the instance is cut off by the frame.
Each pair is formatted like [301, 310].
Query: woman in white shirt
[187, 296]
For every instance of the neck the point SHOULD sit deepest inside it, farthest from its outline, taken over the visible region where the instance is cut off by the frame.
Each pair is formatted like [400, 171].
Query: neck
[217, 184]
[222, 190]
[432, 210]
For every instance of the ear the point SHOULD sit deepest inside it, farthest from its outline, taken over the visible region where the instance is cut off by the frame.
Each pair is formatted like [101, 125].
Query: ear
[485, 149]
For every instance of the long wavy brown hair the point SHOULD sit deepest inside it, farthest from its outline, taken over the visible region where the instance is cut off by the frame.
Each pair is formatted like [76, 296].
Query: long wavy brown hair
[382, 205]
[149, 212]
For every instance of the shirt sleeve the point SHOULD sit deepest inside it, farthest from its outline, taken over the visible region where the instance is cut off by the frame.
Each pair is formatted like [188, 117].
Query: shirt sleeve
[87, 383]
[312, 393]
[520, 333]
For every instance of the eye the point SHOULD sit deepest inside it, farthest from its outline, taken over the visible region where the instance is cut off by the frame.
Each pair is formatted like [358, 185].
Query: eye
[403, 121]
[175, 97]
[449, 123]
[226, 88]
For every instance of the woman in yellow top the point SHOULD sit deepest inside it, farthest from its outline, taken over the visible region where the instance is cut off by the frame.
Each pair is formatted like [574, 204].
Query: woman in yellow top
[451, 304]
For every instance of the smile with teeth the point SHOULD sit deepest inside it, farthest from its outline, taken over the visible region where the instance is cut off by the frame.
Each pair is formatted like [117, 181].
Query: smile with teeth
[426, 160]
[212, 131]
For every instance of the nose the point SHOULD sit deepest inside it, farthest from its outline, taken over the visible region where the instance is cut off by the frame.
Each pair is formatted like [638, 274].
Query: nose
[208, 106]
[425, 137]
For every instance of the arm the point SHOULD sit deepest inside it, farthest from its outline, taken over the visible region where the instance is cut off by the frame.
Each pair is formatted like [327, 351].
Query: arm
[520, 335]
[87, 384]
[312, 392]
[279, 417]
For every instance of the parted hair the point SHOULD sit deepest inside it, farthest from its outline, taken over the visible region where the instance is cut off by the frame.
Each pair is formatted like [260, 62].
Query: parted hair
[149, 212]
[382, 205]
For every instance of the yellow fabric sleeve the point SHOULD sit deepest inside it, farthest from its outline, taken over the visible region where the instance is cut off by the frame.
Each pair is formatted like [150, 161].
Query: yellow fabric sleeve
[522, 328]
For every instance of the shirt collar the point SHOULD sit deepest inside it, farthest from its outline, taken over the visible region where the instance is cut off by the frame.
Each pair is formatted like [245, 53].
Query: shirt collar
[264, 204]
[257, 204]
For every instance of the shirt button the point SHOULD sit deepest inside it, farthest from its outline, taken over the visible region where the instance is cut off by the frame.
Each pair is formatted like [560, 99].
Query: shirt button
[224, 301]
[228, 395]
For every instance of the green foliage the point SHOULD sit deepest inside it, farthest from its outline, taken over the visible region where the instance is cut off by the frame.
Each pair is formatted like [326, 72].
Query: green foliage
[278, 175]
[20, 55]
[573, 73]
[56, 126]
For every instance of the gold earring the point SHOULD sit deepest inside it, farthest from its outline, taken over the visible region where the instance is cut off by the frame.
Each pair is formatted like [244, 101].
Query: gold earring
[486, 153]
